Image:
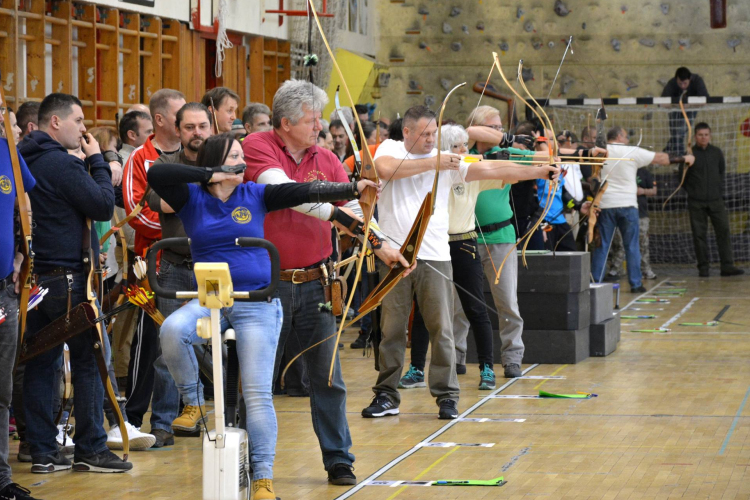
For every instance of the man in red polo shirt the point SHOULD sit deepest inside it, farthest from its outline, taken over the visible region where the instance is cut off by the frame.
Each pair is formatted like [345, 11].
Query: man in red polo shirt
[147, 371]
[288, 153]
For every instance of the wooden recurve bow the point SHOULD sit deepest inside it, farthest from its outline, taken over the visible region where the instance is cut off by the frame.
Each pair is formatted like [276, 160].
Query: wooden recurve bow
[688, 148]
[367, 201]
[132, 215]
[90, 265]
[24, 210]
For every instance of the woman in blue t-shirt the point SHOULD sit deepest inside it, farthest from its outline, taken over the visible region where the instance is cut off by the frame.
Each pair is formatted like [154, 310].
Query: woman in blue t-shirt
[216, 208]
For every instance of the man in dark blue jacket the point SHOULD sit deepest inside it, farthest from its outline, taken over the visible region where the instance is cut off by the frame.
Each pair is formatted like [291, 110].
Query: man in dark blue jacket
[68, 192]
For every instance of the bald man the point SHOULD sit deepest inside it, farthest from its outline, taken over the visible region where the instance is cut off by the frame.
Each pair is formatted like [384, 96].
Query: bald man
[139, 107]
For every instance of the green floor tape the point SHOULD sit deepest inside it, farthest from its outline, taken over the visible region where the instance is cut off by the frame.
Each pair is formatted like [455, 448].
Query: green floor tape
[578, 395]
[653, 330]
[707, 323]
[498, 481]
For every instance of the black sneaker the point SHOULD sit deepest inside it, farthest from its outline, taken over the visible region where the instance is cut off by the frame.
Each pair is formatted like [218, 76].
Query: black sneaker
[448, 409]
[460, 369]
[163, 438]
[381, 406]
[342, 475]
[49, 463]
[361, 341]
[732, 271]
[105, 461]
[638, 289]
[15, 492]
[24, 452]
[512, 370]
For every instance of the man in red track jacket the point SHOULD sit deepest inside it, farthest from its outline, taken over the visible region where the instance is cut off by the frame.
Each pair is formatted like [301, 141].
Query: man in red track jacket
[147, 372]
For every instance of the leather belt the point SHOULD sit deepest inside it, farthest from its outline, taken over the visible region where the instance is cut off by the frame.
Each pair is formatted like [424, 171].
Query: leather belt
[298, 276]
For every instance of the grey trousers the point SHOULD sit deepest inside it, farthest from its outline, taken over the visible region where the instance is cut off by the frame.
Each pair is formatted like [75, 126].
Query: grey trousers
[505, 296]
[460, 329]
[435, 297]
[8, 345]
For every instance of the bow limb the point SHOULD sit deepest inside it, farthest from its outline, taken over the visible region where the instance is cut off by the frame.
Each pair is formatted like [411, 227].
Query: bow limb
[25, 276]
[369, 195]
[132, 215]
[688, 147]
[554, 149]
[528, 234]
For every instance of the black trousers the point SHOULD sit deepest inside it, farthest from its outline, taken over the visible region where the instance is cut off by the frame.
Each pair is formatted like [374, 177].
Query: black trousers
[468, 274]
[143, 353]
[567, 243]
[700, 212]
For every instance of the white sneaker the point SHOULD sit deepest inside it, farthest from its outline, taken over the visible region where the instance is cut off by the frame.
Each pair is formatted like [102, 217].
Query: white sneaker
[138, 440]
[65, 443]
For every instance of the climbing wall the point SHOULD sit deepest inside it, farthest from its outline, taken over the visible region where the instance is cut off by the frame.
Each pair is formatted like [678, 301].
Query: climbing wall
[621, 48]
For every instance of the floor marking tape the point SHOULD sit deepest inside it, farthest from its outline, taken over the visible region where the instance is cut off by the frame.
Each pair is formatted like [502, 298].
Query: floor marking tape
[679, 314]
[435, 434]
[482, 420]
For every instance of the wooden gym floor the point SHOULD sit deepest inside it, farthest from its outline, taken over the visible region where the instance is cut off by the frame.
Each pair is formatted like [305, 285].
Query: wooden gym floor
[671, 420]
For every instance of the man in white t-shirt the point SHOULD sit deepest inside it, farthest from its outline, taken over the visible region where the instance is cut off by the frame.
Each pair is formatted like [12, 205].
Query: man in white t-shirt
[408, 171]
[620, 202]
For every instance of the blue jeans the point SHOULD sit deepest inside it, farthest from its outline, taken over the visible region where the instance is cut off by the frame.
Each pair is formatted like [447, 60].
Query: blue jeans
[40, 383]
[307, 324]
[626, 219]
[8, 345]
[165, 403]
[257, 326]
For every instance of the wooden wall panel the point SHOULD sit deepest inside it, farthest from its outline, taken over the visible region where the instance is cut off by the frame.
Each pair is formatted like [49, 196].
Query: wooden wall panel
[9, 50]
[33, 18]
[62, 46]
[130, 23]
[85, 23]
[111, 58]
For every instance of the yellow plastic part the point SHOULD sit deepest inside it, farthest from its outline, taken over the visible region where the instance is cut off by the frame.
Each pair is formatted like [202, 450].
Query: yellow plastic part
[203, 327]
[214, 284]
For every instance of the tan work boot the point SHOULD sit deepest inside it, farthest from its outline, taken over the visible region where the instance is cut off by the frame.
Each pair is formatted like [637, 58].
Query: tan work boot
[263, 490]
[191, 418]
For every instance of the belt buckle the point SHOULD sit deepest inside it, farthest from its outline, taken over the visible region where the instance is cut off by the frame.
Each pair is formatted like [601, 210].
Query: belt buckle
[293, 274]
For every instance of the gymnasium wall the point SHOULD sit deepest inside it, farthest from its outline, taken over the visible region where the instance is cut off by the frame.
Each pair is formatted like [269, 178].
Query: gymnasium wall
[629, 47]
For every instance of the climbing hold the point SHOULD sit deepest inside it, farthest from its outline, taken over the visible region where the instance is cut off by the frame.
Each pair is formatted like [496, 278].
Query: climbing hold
[647, 42]
[565, 84]
[423, 45]
[624, 9]
[504, 46]
[480, 26]
[423, 11]
[447, 29]
[455, 11]
[465, 29]
[616, 44]
[733, 43]
[561, 9]
[551, 44]
[667, 43]
[537, 44]
[384, 79]
[684, 43]
[527, 74]
[414, 85]
[630, 84]
[519, 13]
[456, 46]
[429, 100]
[583, 26]
[664, 8]
[529, 27]
[446, 84]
